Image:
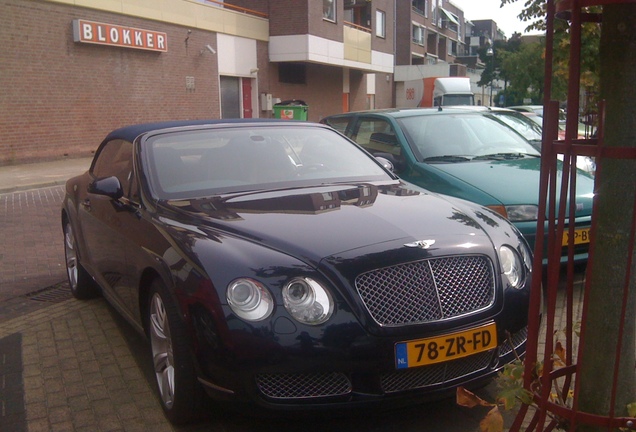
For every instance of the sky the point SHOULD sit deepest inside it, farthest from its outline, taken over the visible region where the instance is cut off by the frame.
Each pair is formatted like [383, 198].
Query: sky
[505, 17]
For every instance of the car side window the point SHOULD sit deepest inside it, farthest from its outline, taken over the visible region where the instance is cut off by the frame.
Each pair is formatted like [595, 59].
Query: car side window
[115, 159]
[377, 136]
[340, 124]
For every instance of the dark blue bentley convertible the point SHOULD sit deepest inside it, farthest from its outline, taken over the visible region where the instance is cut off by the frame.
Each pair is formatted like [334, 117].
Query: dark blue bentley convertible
[278, 263]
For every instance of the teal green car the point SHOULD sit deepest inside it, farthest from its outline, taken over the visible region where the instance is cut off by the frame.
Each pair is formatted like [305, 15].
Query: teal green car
[469, 154]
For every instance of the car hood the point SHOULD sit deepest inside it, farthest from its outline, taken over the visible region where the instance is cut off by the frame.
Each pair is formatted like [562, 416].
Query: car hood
[349, 220]
[515, 181]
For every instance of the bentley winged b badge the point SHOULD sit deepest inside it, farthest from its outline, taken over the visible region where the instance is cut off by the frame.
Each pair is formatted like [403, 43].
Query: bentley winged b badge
[422, 244]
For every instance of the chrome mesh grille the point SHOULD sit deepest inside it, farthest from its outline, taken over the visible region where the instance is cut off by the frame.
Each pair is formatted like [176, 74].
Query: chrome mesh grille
[434, 374]
[309, 385]
[427, 290]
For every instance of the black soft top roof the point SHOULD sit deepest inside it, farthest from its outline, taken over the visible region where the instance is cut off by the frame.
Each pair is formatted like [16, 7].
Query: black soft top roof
[129, 133]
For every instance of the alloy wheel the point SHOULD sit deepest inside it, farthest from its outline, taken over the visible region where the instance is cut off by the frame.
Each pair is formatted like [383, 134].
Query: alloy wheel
[71, 256]
[162, 354]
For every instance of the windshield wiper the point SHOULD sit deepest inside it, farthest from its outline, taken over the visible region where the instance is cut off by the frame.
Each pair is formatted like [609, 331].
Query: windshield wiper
[503, 156]
[446, 158]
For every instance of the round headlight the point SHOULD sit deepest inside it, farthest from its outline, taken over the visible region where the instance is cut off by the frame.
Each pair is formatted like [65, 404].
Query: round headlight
[307, 301]
[249, 300]
[511, 266]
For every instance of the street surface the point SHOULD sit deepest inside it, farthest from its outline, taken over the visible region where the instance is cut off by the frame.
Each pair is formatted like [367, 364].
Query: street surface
[83, 368]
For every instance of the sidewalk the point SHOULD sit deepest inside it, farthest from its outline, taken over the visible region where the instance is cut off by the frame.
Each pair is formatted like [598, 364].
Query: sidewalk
[65, 365]
[35, 175]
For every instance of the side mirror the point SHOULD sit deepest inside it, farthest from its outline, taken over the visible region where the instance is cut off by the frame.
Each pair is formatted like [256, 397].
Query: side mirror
[395, 163]
[386, 163]
[109, 186]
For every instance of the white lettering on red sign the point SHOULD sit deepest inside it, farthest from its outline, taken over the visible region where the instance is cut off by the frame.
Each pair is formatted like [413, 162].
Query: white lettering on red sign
[126, 37]
[87, 31]
[111, 34]
[100, 34]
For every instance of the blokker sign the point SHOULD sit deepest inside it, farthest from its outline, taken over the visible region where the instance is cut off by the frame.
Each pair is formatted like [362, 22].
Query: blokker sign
[115, 35]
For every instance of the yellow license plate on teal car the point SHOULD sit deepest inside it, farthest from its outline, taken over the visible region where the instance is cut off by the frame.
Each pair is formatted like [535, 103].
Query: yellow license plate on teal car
[447, 347]
[581, 236]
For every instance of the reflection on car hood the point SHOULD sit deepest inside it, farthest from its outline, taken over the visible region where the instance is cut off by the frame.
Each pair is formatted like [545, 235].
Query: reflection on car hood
[515, 181]
[322, 221]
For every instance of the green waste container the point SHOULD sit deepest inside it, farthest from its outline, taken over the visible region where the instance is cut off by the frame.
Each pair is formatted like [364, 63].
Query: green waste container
[291, 110]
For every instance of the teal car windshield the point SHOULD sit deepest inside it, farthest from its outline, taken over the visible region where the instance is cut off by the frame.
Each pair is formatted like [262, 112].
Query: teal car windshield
[462, 137]
[526, 127]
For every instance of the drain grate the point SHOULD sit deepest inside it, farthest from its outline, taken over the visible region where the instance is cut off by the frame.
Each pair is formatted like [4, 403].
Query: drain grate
[54, 294]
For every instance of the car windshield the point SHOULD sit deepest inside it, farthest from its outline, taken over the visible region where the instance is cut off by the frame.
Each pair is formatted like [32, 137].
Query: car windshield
[212, 161]
[450, 137]
[524, 125]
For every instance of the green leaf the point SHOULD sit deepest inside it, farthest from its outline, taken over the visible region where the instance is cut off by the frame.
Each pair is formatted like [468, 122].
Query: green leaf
[508, 397]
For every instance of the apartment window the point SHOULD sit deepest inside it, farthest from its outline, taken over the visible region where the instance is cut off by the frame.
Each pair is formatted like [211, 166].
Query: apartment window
[358, 12]
[292, 73]
[437, 18]
[380, 23]
[329, 10]
[418, 34]
[450, 20]
[420, 6]
[452, 47]
[417, 59]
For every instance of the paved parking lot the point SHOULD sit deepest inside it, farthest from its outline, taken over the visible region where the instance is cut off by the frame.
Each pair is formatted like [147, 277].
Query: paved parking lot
[68, 365]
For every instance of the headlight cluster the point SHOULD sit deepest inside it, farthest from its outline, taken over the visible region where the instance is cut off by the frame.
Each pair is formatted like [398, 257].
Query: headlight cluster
[518, 213]
[249, 299]
[304, 298]
[307, 301]
[512, 266]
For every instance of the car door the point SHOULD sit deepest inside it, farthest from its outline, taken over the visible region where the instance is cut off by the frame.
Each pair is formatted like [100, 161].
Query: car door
[105, 222]
[378, 136]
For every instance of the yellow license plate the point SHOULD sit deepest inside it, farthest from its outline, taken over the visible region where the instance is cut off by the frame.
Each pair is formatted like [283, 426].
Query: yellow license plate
[447, 347]
[581, 235]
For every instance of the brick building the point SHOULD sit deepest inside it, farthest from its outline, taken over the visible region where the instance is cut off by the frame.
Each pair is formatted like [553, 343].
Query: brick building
[72, 70]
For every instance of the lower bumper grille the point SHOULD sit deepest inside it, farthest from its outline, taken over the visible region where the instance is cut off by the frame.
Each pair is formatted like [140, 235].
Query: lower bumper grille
[435, 374]
[300, 386]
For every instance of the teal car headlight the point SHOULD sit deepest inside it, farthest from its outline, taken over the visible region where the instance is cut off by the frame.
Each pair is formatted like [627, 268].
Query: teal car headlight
[525, 212]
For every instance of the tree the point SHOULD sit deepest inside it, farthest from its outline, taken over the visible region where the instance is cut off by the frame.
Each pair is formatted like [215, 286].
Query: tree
[616, 192]
[525, 72]
[534, 14]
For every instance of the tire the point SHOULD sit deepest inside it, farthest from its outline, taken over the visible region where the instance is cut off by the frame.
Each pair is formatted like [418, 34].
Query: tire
[180, 394]
[82, 285]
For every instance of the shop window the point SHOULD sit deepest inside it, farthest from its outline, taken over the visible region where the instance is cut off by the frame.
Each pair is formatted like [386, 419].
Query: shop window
[230, 97]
